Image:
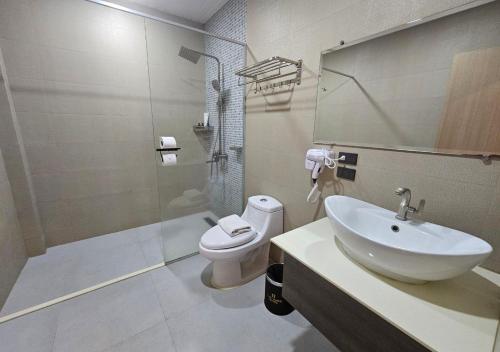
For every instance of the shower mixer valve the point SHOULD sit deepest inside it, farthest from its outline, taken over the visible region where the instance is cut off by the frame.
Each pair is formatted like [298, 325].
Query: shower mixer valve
[216, 157]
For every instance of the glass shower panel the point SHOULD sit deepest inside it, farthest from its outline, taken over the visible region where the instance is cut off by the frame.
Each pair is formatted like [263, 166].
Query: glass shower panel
[178, 103]
[186, 81]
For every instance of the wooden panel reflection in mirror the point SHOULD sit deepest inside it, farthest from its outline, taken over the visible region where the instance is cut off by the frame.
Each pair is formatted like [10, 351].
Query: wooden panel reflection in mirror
[471, 119]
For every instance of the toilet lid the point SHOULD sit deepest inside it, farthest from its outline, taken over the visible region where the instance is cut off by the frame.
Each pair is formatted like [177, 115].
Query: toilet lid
[216, 238]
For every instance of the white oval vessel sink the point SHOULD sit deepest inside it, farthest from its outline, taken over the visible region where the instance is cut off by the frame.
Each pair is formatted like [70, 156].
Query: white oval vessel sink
[408, 251]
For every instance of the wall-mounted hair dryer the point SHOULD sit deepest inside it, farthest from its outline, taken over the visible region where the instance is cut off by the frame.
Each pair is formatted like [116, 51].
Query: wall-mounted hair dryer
[316, 160]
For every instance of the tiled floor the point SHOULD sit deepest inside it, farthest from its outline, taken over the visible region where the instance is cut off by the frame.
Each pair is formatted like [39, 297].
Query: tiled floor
[74, 266]
[168, 309]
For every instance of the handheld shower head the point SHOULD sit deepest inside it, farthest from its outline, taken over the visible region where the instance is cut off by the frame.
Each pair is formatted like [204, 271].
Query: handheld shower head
[216, 85]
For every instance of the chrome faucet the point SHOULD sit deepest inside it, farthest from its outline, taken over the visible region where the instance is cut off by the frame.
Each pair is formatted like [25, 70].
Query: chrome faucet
[404, 206]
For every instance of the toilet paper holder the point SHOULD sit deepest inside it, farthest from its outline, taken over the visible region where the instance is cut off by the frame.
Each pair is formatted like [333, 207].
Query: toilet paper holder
[166, 150]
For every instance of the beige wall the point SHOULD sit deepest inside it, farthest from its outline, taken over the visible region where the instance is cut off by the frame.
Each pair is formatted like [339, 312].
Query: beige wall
[12, 252]
[17, 168]
[79, 77]
[461, 193]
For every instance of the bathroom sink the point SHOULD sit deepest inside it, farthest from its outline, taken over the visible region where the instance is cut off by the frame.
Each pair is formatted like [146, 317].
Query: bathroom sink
[409, 251]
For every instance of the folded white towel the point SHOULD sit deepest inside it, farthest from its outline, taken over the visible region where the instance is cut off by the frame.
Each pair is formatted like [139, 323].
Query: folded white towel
[233, 225]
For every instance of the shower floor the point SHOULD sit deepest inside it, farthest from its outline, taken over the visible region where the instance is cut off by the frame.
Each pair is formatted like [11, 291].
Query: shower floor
[74, 266]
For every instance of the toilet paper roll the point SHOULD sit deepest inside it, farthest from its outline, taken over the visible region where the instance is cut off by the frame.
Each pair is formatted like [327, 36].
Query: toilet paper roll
[168, 142]
[168, 159]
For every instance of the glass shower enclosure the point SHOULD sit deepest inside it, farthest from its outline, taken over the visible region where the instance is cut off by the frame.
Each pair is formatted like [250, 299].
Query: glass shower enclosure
[80, 138]
[187, 82]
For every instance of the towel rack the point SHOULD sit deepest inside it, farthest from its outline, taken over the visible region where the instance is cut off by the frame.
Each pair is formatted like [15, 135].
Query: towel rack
[272, 69]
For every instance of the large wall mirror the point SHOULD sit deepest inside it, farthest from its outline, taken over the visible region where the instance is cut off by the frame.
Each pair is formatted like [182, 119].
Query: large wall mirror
[431, 87]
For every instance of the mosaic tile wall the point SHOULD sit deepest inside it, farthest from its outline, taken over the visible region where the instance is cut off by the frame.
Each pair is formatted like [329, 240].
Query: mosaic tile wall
[226, 186]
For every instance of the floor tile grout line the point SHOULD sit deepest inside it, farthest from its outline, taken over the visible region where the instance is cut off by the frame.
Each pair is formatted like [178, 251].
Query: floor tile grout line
[56, 330]
[141, 248]
[75, 294]
[177, 314]
[184, 311]
[156, 288]
[164, 314]
[109, 348]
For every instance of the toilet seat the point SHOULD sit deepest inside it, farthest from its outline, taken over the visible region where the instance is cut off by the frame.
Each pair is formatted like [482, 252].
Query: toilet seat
[216, 238]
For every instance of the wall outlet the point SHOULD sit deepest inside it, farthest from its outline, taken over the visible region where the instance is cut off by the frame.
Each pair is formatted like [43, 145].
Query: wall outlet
[350, 158]
[346, 173]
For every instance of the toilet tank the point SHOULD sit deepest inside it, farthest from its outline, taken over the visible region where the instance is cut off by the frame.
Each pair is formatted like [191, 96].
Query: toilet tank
[265, 214]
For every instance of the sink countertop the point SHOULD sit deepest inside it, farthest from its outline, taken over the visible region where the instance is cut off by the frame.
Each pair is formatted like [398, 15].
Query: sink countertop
[460, 314]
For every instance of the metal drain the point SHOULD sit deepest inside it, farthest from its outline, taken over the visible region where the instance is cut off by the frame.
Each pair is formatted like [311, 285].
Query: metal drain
[210, 221]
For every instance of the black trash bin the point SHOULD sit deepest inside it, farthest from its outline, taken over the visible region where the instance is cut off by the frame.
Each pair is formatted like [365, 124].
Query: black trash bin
[274, 300]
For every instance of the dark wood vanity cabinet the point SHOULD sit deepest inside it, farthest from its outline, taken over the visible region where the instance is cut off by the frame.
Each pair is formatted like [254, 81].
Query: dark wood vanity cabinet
[346, 323]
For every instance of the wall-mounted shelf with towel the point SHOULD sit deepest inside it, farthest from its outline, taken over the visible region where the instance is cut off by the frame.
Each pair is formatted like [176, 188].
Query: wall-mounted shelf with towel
[272, 69]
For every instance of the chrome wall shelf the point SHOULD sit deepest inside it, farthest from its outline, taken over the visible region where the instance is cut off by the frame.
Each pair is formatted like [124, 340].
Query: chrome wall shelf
[273, 69]
[236, 148]
[202, 128]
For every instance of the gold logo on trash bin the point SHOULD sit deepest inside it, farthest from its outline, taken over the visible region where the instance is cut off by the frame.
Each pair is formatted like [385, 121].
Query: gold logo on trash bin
[273, 299]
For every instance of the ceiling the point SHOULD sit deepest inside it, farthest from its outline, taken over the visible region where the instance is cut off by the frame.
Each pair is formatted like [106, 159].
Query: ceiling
[194, 10]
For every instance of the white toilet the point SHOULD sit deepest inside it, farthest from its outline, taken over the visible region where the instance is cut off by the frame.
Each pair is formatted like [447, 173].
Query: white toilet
[237, 260]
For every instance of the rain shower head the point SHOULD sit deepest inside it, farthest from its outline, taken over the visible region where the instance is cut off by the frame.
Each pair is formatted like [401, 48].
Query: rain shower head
[194, 57]
[189, 54]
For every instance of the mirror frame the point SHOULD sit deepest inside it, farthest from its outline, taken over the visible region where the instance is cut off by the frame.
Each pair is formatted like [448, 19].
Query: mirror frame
[409, 24]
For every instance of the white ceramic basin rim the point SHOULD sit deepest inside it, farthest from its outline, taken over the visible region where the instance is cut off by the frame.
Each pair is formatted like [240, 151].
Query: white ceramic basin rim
[411, 251]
